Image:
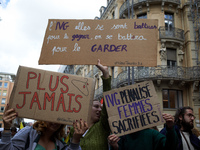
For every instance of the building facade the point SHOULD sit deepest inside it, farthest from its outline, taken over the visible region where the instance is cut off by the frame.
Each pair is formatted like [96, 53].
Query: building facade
[6, 86]
[177, 74]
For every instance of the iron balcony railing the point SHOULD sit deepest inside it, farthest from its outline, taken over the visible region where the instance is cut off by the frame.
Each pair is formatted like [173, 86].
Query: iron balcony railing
[154, 73]
[106, 9]
[172, 33]
[78, 67]
[69, 69]
[95, 69]
[171, 1]
[160, 72]
[90, 73]
[98, 92]
[124, 8]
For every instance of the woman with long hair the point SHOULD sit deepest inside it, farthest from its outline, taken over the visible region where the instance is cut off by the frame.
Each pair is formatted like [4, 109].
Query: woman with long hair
[42, 135]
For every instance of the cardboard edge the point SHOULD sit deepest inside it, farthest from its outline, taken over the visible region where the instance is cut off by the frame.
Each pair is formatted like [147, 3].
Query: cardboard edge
[40, 59]
[14, 87]
[91, 99]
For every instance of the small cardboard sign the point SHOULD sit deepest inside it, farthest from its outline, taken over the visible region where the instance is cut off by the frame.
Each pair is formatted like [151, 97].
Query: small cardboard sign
[117, 42]
[133, 108]
[51, 96]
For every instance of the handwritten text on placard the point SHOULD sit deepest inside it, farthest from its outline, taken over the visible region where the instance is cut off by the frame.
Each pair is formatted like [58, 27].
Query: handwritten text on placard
[84, 41]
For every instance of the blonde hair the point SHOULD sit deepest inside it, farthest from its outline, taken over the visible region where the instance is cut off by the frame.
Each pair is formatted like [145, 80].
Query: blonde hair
[41, 126]
[196, 132]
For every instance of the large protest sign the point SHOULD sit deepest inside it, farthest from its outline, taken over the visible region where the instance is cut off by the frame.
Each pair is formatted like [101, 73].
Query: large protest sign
[52, 96]
[117, 42]
[133, 108]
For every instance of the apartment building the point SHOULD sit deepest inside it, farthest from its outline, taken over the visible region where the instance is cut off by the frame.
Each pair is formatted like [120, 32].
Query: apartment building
[6, 86]
[177, 74]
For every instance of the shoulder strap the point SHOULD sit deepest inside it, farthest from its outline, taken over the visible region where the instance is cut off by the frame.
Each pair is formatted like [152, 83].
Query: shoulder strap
[185, 140]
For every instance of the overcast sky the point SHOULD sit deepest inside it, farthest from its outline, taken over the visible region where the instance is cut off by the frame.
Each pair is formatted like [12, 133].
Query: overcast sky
[23, 24]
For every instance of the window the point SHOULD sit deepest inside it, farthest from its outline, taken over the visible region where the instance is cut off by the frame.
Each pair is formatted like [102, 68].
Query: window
[5, 84]
[113, 15]
[0, 125]
[4, 93]
[2, 109]
[171, 57]
[0, 84]
[3, 101]
[172, 98]
[113, 71]
[0, 92]
[169, 24]
[142, 16]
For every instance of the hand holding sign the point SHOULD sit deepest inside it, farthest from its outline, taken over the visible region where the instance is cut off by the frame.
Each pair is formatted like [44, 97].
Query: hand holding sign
[8, 116]
[104, 69]
[169, 120]
[79, 129]
[112, 140]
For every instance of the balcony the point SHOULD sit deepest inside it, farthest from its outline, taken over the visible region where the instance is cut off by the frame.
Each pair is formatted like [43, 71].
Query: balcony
[90, 73]
[107, 8]
[78, 69]
[69, 69]
[172, 33]
[187, 74]
[124, 8]
[98, 92]
[160, 72]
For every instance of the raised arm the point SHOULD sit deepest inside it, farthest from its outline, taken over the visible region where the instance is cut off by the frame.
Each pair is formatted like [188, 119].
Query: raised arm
[104, 69]
[106, 79]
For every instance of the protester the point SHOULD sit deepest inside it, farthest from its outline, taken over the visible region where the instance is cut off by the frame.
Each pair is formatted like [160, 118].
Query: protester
[196, 132]
[42, 136]
[184, 123]
[13, 131]
[95, 137]
[147, 139]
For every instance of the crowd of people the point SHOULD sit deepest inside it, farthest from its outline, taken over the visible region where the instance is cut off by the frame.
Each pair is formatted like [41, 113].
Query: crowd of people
[177, 134]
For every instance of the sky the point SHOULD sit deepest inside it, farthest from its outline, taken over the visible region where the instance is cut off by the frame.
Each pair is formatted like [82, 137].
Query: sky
[23, 24]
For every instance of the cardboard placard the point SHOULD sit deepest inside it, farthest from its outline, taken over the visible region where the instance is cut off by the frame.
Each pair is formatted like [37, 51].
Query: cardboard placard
[116, 42]
[133, 108]
[51, 96]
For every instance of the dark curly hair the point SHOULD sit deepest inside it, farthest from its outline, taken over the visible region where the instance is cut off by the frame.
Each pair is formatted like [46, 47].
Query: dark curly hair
[180, 112]
[41, 126]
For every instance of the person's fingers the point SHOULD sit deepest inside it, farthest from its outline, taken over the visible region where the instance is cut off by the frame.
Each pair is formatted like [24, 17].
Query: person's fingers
[98, 61]
[7, 107]
[9, 119]
[10, 115]
[77, 125]
[99, 65]
[80, 122]
[167, 116]
[82, 126]
[113, 138]
[85, 125]
[9, 111]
